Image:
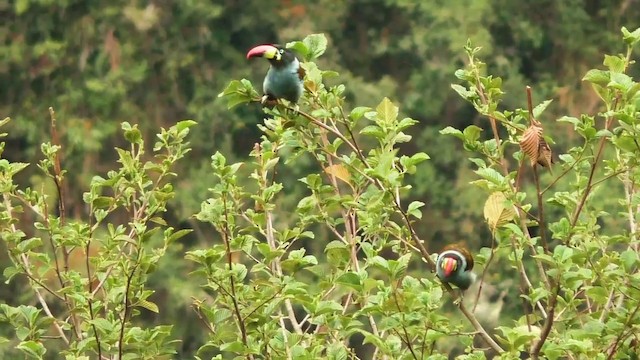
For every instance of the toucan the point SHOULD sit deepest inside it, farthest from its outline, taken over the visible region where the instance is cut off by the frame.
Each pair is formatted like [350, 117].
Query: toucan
[454, 265]
[285, 76]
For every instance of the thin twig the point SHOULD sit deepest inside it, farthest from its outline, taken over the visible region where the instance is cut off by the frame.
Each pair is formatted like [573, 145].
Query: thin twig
[58, 180]
[271, 241]
[614, 346]
[9, 208]
[592, 171]
[405, 339]
[548, 323]
[126, 310]
[226, 238]
[196, 309]
[90, 284]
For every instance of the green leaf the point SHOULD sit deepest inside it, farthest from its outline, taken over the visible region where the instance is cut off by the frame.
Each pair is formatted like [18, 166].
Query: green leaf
[630, 37]
[570, 119]
[177, 235]
[317, 44]
[149, 306]
[336, 351]
[358, 112]
[233, 347]
[616, 64]
[337, 252]
[103, 325]
[102, 202]
[472, 133]
[387, 112]
[300, 48]
[351, 280]
[599, 77]
[562, 253]
[464, 92]
[29, 244]
[327, 307]
[414, 209]
[238, 92]
[629, 259]
[452, 131]
[184, 124]
[621, 81]
[380, 262]
[374, 131]
[32, 348]
[132, 134]
[491, 174]
[540, 108]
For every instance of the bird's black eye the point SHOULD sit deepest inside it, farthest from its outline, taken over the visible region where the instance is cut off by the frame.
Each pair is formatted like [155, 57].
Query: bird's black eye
[281, 51]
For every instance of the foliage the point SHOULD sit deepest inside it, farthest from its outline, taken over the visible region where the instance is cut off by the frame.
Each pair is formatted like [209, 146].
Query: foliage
[578, 284]
[89, 275]
[149, 63]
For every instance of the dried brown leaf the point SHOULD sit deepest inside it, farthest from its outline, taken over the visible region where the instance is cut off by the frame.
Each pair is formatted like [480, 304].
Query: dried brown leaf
[545, 158]
[339, 171]
[530, 142]
[496, 212]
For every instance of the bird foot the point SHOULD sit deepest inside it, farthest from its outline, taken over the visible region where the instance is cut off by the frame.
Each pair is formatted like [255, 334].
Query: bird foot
[268, 101]
[458, 300]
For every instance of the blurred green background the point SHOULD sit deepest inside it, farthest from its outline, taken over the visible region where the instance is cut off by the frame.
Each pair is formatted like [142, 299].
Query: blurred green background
[153, 63]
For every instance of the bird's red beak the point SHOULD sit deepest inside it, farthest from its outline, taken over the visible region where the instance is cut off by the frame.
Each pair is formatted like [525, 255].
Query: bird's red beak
[261, 50]
[449, 265]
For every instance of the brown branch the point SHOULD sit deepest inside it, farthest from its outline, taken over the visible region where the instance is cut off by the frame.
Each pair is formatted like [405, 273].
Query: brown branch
[592, 172]
[58, 180]
[614, 346]
[406, 339]
[226, 238]
[271, 240]
[126, 310]
[484, 273]
[548, 323]
[90, 283]
[9, 208]
[566, 171]
[196, 309]
[542, 226]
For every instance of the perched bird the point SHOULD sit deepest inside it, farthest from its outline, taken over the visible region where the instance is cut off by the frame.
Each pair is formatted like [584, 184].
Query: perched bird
[454, 265]
[284, 78]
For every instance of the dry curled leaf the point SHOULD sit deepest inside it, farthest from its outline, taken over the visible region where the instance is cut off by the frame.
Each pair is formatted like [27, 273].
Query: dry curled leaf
[530, 142]
[535, 147]
[545, 158]
[496, 212]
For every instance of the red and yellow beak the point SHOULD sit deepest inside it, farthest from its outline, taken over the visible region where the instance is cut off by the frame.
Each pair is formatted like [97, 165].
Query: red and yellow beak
[448, 265]
[266, 51]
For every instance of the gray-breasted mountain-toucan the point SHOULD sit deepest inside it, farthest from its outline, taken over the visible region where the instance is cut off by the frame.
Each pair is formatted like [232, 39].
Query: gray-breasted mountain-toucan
[284, 78]
[454, 265]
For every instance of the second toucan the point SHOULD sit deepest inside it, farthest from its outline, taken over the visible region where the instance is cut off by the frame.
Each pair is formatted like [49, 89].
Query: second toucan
[285, 75]
[454, 265]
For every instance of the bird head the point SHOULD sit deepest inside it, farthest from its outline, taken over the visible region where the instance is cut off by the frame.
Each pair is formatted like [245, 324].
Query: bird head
[454, 258]
[276, 54]
[448, 265]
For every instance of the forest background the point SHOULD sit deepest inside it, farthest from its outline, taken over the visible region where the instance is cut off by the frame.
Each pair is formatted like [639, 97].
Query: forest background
[153, 63]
